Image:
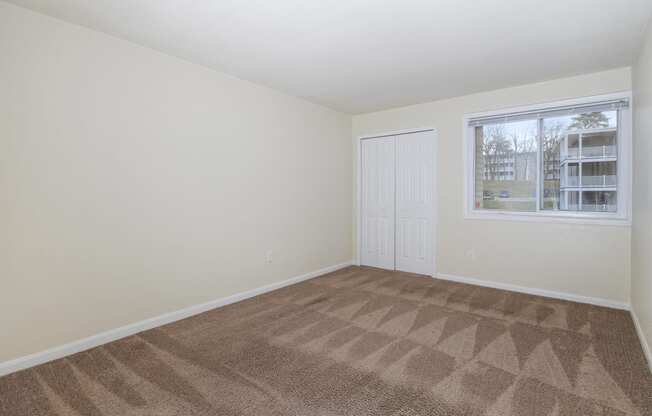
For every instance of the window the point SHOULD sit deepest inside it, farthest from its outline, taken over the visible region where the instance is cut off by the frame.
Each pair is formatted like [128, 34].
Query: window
[561, 160]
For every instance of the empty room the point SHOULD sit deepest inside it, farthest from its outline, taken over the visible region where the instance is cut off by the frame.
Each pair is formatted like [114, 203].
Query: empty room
[311, 208]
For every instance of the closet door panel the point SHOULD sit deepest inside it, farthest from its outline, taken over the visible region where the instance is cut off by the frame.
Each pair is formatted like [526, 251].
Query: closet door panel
[415, 173]
[378, 202]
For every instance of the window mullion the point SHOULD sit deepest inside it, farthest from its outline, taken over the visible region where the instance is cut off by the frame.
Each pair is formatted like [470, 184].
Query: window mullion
[540, 168]
[580, 194]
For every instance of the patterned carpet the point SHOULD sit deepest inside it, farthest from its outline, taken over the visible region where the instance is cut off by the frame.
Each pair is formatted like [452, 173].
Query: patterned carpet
[359, 341]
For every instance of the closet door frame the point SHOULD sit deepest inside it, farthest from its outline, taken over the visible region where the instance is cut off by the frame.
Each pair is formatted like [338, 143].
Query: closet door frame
[358, 146]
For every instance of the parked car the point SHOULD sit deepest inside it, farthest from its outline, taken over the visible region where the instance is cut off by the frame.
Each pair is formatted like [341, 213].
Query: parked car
[504, 194]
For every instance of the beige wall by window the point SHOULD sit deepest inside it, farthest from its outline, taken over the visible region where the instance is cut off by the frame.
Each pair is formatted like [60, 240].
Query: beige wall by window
[586, 260]
[642, 198]
[134, 184]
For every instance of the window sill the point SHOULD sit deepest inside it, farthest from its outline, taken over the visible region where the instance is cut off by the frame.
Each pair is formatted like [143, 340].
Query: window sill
[563, 218]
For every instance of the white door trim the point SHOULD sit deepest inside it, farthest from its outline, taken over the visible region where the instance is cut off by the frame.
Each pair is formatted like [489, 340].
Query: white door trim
[358, 146]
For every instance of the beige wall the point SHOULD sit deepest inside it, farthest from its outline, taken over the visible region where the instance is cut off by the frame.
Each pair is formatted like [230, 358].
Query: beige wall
[134, 184]
[586, 260]
[642, 196]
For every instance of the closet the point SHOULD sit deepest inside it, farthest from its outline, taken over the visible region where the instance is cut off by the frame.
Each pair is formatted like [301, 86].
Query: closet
[397, 211]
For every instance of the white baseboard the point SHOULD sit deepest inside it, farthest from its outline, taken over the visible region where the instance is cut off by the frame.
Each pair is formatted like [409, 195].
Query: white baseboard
[125, 331]
[647, 350]
[641, 336]
[538, 292]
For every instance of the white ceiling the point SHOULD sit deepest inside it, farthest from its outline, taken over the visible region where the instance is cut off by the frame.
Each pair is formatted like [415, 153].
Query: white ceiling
[364, 55]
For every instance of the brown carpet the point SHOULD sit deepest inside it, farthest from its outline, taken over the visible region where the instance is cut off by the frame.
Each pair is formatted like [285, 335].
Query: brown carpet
[359, 341]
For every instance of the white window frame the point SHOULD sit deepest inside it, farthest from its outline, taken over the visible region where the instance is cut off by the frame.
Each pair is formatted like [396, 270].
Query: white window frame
[624, 170]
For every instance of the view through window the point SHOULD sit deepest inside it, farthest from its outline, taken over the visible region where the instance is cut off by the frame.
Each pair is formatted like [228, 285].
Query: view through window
[547, 162]
[506, 166]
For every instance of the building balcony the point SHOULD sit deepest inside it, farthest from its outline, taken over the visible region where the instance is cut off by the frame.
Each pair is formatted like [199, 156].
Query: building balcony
[601, 181]
[597, 152]
[590, 152]
[588, 199]
[571, 181]
[596, 144]
[571, 153]
[592, 207]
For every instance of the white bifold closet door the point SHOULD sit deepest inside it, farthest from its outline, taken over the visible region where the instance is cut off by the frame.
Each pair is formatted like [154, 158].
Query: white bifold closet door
[415, 175]
[378, 203]
[397, 204]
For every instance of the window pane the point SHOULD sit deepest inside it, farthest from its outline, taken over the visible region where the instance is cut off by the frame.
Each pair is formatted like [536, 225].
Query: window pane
[579, 152]
[506, 166]
[550, 154]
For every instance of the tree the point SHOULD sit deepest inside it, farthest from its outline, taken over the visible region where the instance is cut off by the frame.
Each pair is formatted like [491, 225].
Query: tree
[589, 121]
[550, 142]
[524, 143]
[515, 138]
[495, 150]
